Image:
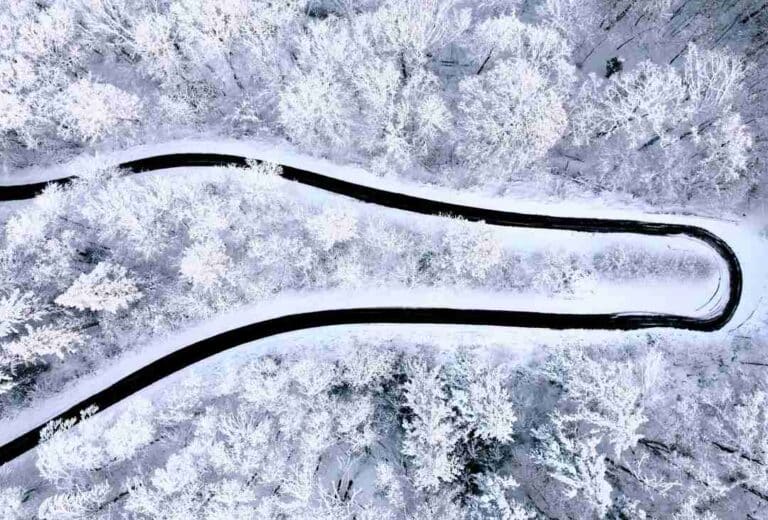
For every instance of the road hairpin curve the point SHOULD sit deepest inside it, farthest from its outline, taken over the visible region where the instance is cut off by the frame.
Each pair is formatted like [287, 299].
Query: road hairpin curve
[208, 347]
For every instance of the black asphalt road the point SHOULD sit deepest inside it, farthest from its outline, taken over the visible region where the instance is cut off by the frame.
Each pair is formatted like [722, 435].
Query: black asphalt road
[208, 347]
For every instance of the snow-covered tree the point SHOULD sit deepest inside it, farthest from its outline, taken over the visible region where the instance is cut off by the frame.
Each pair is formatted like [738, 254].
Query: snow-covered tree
[64, 458]
[688, 511]
[484, 403]
[578, 21]
[316, 106]
[418, 30]
[152, 38]
[681, 122]
[48, 36]
[576, 464]
[350, 91]
[15, 115]
[740, 434]
[430, 435]
[492, 500]
[107, 25]
[77, 504]
[91, 111]
[559, 272]
[106, 288]
[17, 308]
[205, 264]
[132, 430]
[413, 118]
[333, 226]
[474, 250]
[45, 340]
[510, 118]
[507, 38]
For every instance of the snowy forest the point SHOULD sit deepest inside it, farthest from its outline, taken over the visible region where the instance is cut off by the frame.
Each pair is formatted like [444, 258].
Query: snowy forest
[647, 109]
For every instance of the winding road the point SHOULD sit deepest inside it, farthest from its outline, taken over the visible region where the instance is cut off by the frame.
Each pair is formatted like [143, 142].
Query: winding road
[200, 350]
